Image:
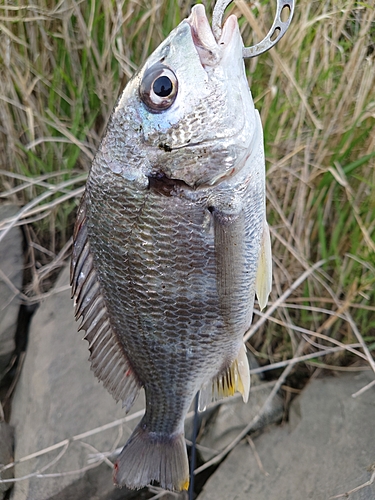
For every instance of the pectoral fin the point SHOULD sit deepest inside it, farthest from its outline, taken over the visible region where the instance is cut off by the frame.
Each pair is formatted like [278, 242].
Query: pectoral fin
[263, 283]
[230, 252]
[236, 378]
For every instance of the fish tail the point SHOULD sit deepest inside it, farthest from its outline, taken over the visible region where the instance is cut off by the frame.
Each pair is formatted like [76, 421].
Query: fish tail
[150, 456]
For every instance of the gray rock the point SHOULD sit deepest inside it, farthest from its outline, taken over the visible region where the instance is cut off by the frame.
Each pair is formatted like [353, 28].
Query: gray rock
[6, 453]
[326, 450]
[11, 265]
[58, 397]
[97, 485]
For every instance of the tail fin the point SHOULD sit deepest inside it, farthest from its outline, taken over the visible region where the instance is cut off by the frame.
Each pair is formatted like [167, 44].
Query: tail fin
[150, 456]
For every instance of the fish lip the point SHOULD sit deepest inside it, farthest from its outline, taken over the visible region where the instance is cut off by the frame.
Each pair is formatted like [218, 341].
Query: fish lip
[209, 50]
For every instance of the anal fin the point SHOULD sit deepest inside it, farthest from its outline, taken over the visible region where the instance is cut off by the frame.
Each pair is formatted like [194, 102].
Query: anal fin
[236, 378]
[108, 358]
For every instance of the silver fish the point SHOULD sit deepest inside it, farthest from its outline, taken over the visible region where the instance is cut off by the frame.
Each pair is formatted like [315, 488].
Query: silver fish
[171, 242]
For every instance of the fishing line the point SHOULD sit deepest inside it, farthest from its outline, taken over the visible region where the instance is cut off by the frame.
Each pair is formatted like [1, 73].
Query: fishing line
[193, 447]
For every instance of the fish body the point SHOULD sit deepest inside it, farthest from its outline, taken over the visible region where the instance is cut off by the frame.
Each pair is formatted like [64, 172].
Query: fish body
[171, 242]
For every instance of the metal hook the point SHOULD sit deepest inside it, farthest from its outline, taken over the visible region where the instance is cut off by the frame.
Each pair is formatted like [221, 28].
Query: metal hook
[277, 31]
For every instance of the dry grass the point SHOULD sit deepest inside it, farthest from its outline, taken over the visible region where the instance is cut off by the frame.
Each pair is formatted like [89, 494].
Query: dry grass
[61, 70]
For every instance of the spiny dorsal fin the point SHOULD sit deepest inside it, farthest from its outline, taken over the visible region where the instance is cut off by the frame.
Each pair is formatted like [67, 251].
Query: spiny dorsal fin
[108, 359]
[236, 378]
[263, 282]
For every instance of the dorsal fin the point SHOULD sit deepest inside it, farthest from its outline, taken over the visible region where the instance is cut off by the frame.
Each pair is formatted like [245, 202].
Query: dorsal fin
[108, 358]
[236, 378]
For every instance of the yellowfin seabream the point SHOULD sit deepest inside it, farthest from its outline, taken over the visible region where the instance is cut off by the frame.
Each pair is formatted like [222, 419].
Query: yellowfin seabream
[171, 242]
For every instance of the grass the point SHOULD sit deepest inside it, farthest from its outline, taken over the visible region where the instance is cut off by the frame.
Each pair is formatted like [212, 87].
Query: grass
[61, 70]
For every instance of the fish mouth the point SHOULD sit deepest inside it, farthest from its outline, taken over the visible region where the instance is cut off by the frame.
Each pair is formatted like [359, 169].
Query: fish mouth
[209, 50]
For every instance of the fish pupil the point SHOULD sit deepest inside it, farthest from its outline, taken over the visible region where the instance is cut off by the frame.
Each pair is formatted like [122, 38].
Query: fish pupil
[162, 86]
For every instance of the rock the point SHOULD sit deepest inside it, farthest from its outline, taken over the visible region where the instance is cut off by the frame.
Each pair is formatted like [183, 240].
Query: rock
[97, 485]
[58, 397]
[326, 450]
[11, 264]
[6, 454]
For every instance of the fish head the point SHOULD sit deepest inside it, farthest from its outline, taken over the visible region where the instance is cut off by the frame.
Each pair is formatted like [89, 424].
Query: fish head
[188, 113]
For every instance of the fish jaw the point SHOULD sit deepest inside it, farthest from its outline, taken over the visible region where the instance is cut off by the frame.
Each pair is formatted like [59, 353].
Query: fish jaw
[211, 51]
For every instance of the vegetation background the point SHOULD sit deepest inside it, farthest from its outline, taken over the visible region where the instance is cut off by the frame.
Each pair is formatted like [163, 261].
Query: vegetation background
[62, 66]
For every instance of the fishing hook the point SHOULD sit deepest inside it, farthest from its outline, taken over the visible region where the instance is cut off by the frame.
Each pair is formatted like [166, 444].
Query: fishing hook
[277, 31]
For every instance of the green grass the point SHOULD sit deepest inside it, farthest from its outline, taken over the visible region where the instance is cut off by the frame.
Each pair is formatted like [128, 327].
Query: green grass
[62, 68]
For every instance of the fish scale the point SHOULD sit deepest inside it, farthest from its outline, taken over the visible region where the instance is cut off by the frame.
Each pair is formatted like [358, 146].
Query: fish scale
[143, 280]
[171, 243]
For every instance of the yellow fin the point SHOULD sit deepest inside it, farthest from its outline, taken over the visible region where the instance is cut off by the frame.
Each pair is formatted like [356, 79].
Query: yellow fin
[263, 282]
[185, 485]
[236, 378]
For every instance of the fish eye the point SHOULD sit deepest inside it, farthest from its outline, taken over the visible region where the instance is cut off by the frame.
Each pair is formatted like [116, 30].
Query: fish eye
[158, 88]
[162, 86]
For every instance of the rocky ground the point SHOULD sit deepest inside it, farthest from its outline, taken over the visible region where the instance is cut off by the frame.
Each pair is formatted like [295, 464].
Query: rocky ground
[64, 427]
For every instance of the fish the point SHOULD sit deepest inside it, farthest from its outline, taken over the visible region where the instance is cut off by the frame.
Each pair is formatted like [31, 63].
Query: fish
[171, 243]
